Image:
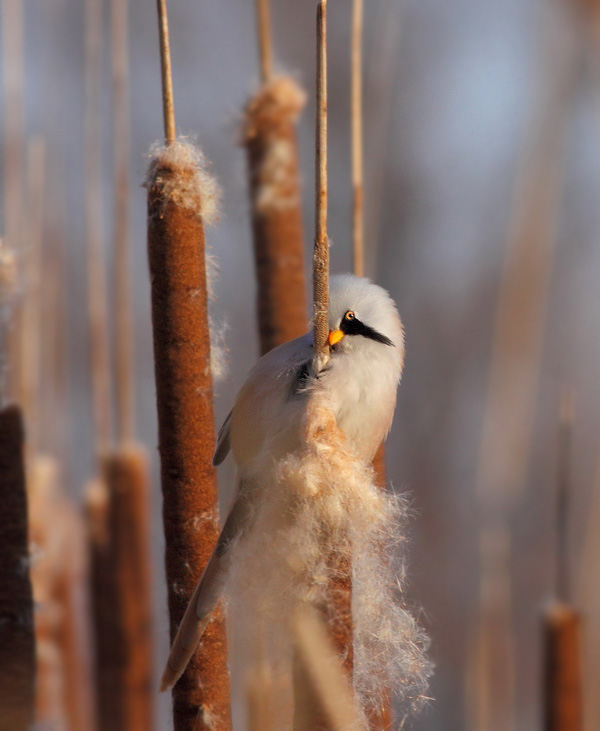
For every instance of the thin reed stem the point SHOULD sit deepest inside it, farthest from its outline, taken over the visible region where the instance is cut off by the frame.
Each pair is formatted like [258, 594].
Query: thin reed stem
[321, 247]
[265, 45]
[357, 140]
[13, 150]
[165, 72]
[121, 137]
[563, 479]
[381, 75]
[30, 360]
[97, 296]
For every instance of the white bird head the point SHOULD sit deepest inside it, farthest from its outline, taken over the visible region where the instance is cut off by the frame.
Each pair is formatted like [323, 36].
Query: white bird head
[363, 317]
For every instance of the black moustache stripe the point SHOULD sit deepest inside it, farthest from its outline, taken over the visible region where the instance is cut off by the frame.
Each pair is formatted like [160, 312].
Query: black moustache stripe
[356, 327]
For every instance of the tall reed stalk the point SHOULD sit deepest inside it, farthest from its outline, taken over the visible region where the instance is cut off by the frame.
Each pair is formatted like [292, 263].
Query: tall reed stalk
[94, 215]
[381, 718]
[180, 196]
[13, 154]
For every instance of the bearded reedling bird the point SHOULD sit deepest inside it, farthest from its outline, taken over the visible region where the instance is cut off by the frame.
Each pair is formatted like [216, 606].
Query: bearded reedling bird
[359, 384]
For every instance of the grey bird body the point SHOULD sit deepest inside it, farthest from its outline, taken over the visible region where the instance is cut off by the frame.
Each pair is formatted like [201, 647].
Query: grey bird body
[359, 384]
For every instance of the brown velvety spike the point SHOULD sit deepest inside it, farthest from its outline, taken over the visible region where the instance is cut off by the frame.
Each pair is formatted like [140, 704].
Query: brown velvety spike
[186, 422]
[17, 644]
[563, 709]
[272, 152]
[121, 592]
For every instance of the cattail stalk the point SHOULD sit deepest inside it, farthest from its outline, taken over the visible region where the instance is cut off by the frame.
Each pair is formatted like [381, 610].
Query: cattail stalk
[17, 644]
[180, 194]
[321, 247]
[121, 592]
[265, 48]
[165, 72]
[339, 609]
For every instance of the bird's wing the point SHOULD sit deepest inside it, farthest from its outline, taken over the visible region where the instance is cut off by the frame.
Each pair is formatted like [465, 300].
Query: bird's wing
[206, 595]
[223, 441]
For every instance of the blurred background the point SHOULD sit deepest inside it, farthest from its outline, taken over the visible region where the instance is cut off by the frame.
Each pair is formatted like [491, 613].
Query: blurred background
[472, 108]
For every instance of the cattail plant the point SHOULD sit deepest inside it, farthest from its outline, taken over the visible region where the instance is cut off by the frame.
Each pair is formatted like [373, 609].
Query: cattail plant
[269, 135]
[17, 643]
[182, 197]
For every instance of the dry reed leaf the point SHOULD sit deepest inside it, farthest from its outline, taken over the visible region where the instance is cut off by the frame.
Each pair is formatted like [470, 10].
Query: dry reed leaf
[323, 694]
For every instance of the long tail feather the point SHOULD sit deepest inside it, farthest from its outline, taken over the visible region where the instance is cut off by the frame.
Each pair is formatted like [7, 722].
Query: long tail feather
[195, 620]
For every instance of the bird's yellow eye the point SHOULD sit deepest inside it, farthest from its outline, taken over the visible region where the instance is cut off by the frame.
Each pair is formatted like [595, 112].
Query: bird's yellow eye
[349, 315]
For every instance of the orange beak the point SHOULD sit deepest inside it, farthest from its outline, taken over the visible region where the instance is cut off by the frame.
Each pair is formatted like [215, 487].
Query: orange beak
[335, 336]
